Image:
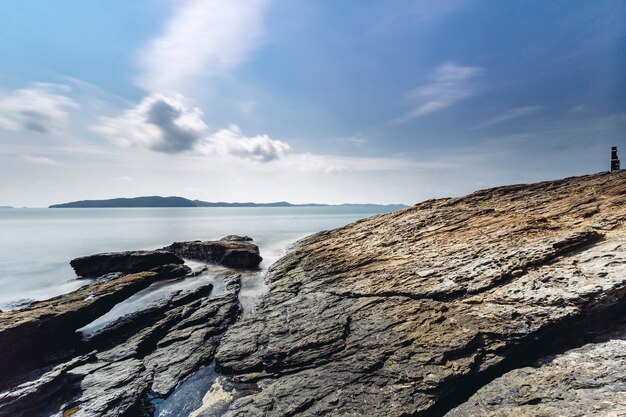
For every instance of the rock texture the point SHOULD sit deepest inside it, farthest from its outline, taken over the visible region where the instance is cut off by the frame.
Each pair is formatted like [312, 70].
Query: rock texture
[127, 262]
[587, 381]
[409, 313]
[44, 332]
[232, 251]
[147, 354]
[236, 238]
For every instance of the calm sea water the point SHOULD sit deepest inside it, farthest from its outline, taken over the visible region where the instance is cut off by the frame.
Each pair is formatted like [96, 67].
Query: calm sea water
[37, 244]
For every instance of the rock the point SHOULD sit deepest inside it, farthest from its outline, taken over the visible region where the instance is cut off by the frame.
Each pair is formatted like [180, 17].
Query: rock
[127, 262]
[45, 331]
[586, 381]
[236, 238]
[159, 356]
[45, 393]
[233, 254]
[402, 314]
[147, 354]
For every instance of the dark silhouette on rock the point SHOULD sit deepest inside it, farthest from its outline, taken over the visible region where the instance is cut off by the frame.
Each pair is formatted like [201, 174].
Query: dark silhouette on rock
[615, 166]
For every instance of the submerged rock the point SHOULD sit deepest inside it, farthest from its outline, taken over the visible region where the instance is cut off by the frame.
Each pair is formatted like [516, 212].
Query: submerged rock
[231, 253]
[127, 262]
[404, 313]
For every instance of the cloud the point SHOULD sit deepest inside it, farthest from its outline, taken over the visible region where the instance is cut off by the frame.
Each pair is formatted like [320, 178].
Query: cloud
[38, 160]
[231, 141]
[202, 38]
[506, 116]
[449, 84]
[329, 164]
[168, 124]
[163, 123]
[39, 108]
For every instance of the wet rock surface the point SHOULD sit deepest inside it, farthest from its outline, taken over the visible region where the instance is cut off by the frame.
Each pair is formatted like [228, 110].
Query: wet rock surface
[412, 312]
[126, 262]
[138, 357]
[232, 251]
[44, 332]
[48, 368]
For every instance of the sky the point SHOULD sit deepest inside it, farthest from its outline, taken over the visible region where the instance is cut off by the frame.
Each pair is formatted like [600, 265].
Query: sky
[305, 101]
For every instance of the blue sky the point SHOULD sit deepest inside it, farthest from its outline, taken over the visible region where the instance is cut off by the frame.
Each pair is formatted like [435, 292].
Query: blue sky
[325, 101]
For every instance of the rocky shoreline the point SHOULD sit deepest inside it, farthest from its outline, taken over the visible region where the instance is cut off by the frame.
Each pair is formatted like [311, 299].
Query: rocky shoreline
[48, 368]
[509, 301]
[412, 312]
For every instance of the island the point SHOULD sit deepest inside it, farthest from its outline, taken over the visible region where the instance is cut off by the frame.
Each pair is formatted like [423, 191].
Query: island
[158, 201]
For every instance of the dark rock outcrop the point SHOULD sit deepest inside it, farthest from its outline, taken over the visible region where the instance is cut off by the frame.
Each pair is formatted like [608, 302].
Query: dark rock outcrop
[405, 313]
[231, 253]
[45, 331]
[128, 262]
[149, 352]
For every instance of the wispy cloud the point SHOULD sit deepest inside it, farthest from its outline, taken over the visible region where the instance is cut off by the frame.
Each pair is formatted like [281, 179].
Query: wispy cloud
[38, 160]
[510, 114]
[329, 164]
[40, 108]
[578, 108]
[449, 84]
[412, 13]
[202, 38]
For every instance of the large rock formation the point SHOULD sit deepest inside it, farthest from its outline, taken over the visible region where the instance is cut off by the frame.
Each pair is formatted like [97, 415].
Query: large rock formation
[126, 262]
[232, 251]
[410, 313]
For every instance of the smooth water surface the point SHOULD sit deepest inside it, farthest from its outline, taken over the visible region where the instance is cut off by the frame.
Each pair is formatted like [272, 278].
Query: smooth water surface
[37, 244]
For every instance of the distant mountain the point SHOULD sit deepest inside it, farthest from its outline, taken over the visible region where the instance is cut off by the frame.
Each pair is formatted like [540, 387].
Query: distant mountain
[5, 207]
[157, 201]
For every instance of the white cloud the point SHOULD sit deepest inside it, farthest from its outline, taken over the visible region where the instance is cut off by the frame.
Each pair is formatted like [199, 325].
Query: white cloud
[202, 38]
[40, 108]
[163, 123]
[231, 141]
[449, 84]
[168, 124]
[506, 116]
[38, 160]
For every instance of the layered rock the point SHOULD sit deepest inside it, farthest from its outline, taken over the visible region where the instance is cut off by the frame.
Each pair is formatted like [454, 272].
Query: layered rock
[129, 262]
[45, 331]
[406, 313]
[149, 353]
[586, 381]
[232, 251]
